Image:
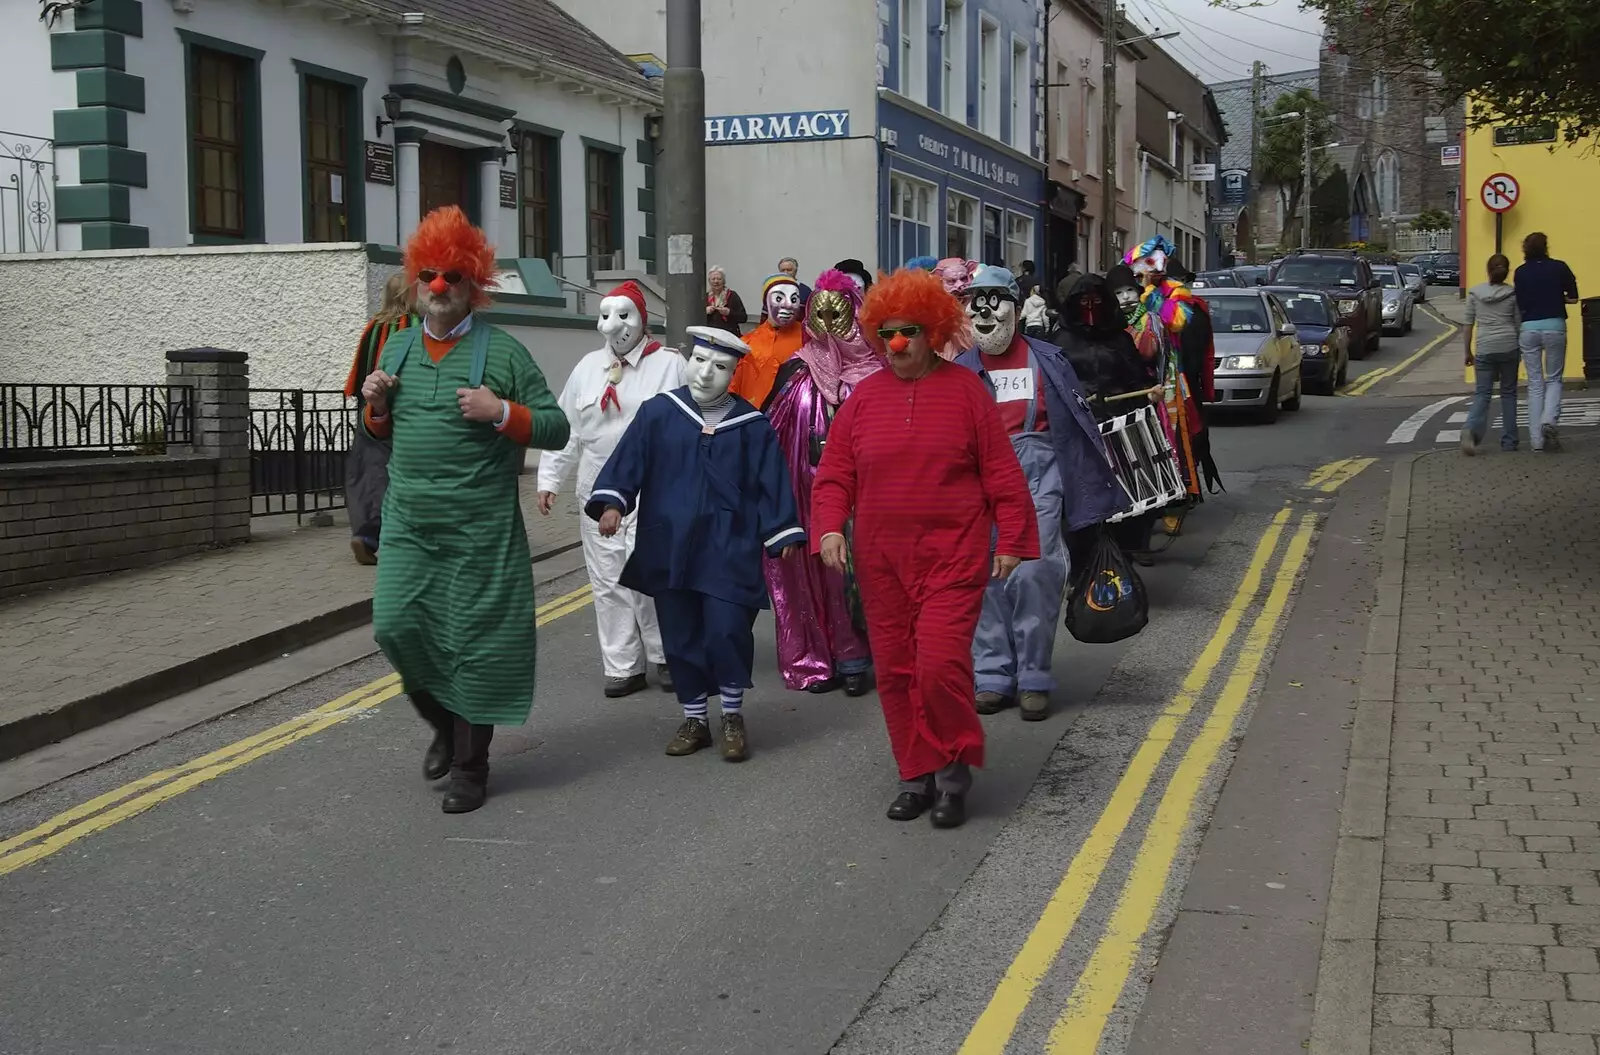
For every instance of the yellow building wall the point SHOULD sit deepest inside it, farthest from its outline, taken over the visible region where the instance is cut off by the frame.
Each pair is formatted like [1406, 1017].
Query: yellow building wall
[1557, 197]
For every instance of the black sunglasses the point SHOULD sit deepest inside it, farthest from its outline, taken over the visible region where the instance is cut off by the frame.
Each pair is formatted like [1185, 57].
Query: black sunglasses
[428, 275]
[888, 333]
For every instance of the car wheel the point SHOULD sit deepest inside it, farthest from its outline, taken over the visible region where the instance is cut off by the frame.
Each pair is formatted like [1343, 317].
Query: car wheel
[1269, 412]
[1293, 402]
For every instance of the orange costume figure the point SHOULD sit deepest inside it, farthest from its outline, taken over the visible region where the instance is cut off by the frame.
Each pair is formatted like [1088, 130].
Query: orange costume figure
[772, 343]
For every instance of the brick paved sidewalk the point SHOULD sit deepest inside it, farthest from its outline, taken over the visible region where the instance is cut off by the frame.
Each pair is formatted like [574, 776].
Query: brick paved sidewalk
[1490, 905]
[92, 649]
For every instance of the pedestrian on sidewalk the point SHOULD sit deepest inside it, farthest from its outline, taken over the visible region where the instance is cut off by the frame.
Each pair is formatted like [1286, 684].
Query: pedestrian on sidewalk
[919, 456]
[708, 466]
[366, 467]
[1493, 317]
[600, 400]
[724, 309]
[453, 610]
[1544, 289]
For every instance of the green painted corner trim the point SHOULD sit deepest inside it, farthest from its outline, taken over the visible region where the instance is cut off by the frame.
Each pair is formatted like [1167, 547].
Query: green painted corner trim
[410, 134]
[646, 151]
[650, 177]
[543, 130]
[423, 93]
[228, 47]
[326, 73]
[650, 266]
[105, 87]
[115, 236]
[120, 16]
[650, 224]
[602, 145]
[539, 281]
[647, 248]
[383, 254]
[86, 48]
[647, 200]
[91, 125]
[535, 319]
[91, 203]
[103, 164]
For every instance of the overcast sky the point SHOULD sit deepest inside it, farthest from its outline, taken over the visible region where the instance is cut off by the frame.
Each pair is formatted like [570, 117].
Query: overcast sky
[1219, 43]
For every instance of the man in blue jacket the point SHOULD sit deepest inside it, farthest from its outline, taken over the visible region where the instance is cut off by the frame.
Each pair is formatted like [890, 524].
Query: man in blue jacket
[1059, 446]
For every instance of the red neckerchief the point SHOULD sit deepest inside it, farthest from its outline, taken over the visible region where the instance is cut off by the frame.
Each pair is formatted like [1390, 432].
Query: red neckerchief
[609, 396]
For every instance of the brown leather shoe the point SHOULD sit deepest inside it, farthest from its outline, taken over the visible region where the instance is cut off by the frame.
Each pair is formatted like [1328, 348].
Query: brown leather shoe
[616, 688]
[364, 554]
[991, 702]
[735, 747]
[693, 735]
[1035, 706]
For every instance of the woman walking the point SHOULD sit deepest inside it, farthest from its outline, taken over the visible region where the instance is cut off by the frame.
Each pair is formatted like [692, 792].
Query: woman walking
[724, 309]
[1492, 316]
[919, 456]
[1544, 289]
[366, 467]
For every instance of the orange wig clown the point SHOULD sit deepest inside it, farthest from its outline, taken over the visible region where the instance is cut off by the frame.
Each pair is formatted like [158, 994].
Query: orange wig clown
[916, 296]
[446, 240]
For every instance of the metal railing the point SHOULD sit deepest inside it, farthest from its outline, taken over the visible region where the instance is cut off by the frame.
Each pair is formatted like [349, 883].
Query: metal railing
[298, 442]
[27, 194]
[56, 421]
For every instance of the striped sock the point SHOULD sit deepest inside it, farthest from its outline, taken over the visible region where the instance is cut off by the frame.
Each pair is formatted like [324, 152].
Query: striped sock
[695, 708]
[732, 699]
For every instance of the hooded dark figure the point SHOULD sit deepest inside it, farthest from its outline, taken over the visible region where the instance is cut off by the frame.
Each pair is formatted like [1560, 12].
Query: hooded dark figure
[1093, 334]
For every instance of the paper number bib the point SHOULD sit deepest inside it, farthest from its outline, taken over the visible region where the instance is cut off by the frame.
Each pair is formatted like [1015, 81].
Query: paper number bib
[1012, 385]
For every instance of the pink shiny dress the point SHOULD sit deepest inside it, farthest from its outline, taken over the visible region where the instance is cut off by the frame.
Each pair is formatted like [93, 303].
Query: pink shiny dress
[815, 634]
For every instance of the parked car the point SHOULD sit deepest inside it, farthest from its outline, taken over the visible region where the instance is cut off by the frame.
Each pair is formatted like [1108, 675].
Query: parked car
[1227, 278]
[1324, 337]
[1252, 274]
[1446, 270]
[1398, 301]
[1415, 281]
[1257, 352]
[1348, 279]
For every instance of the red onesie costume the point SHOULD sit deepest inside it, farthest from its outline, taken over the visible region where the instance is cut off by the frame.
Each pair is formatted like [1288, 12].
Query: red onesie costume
[927, 470]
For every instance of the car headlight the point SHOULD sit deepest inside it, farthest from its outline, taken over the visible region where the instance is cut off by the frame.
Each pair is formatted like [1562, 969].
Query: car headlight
[1313, 349]
[1347, 307]
[1391, 308]
[1241, 362]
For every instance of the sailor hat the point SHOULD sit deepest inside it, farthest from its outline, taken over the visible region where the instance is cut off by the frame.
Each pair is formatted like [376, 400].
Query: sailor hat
[715, 340]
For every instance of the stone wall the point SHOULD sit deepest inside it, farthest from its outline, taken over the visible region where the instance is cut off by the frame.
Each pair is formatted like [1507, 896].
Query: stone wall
[62, 518]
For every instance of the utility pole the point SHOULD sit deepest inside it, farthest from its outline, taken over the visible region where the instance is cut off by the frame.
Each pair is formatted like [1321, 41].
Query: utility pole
[683, 172]
[1108, 137]
[1255, 158]
[1305, 202]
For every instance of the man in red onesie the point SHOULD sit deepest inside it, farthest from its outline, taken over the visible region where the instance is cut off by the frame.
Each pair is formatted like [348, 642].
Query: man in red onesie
[919, 456]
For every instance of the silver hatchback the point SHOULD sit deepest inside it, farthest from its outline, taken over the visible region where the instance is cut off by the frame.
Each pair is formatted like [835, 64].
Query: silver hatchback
[1257, 352]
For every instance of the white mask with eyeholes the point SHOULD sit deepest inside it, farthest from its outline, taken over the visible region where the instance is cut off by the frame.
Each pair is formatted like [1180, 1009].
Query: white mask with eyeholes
[621, 323]
[710, 373]
[994, 319]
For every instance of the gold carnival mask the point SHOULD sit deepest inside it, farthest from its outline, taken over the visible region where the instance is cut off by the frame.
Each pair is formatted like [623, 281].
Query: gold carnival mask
[830, 312]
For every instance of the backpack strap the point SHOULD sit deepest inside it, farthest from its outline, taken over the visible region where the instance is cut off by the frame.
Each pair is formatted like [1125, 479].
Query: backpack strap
[480, 352]
[403, 342]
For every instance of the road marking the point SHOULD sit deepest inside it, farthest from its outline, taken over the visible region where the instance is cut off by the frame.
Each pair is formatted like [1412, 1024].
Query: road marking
[993, 1030]
[1367, 380]
[1079, 1029]
[101, 812]
[1347, 470]
[1408, 429]
[1322, 472]
[1580, 413]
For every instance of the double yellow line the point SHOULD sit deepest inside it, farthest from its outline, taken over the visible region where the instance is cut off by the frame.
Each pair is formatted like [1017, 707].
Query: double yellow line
[133, 798]
[1329, 478]
[1080, 1025]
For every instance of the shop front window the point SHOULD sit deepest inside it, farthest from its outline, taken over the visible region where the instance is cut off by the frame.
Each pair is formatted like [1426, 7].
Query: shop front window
[910, 219]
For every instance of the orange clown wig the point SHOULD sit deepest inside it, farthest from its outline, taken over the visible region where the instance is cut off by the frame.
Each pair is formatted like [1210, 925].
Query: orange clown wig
[916, 296]
[444, 241]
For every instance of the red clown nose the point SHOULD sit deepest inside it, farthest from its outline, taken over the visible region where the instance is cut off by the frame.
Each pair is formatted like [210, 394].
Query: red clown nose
[439, 287]
[899, 343]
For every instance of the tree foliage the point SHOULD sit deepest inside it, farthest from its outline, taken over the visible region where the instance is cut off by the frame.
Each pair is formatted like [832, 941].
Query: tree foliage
[1282, 157]
[1432, 220]
[1516, 60]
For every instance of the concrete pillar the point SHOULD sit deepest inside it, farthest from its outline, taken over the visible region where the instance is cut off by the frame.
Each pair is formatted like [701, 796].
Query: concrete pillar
[488, 162]
[408, 180]
[218, 383]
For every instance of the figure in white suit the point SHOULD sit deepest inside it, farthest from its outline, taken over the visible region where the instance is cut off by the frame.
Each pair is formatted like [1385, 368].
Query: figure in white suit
[600, 400]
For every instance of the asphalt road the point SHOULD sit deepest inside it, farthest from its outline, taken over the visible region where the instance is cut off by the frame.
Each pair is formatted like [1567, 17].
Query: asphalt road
[309, 897]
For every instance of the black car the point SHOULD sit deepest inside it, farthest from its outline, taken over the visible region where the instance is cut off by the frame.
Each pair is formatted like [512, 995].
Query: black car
[1227, 278]
[1346, 277]
[1445, 270]
[1324, 338]
[1252, 274]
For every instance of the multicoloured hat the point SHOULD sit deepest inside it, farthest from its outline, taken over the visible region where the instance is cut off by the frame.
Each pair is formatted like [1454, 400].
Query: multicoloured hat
[780, 279]
[1149, 256]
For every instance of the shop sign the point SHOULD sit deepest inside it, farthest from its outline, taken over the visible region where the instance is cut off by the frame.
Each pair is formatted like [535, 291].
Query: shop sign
[789, 127]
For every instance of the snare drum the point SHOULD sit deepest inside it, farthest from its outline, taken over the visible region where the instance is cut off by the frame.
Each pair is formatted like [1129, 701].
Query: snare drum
[1144, 461]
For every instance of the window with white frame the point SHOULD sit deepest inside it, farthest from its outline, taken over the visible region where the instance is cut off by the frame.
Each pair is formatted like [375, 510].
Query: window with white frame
[1021, 95]
[1019, 240]
[953, 53]
[960, 225]
[988, 77]
[910, 218]
[914, 50]
[1388, 183]
[1063, 113]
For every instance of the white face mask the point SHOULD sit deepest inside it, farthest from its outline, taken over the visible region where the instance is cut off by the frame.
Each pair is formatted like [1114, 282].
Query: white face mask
[994, 319]
[710, 373]
[1127, 299]
[621, 323]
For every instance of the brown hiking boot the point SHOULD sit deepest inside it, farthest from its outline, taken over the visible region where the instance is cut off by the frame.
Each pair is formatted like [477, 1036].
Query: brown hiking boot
[1035, 706]
[693, 735]
[735, 748]
[363, 553]
[991, 702]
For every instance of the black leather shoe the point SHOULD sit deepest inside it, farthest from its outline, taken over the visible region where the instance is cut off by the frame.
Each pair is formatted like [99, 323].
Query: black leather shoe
[908, 807]
[857, 684]
[436, 763]
[465, 794]
[823, 687]
[949, 811]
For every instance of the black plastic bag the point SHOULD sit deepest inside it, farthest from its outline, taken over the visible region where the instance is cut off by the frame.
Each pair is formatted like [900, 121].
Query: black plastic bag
[1108, 601]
